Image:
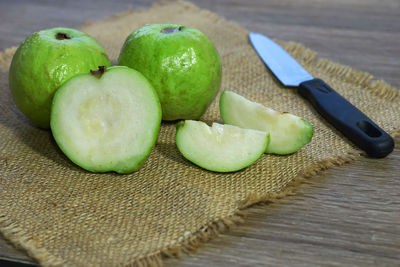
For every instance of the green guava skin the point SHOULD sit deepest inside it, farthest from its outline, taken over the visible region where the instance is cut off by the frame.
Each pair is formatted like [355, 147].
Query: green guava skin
[42, 63]
[181, 63]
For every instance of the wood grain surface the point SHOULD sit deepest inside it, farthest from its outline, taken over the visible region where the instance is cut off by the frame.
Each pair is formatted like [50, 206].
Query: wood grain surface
[347, 215]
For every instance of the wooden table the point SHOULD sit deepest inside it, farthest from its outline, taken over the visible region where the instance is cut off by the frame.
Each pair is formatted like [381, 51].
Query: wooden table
[347, 215]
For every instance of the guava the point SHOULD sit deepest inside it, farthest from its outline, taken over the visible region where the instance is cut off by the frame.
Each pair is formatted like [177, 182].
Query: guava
[220, 148]
[288, 132]
[107, 120]
[44, 61]
[181, 63]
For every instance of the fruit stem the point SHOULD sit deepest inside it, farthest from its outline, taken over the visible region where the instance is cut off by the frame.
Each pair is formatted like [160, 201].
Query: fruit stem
[62, 36]
[172, 30]
[98, 73]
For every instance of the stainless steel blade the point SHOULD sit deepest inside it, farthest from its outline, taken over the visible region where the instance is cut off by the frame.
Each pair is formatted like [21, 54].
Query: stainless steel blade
[285, 68]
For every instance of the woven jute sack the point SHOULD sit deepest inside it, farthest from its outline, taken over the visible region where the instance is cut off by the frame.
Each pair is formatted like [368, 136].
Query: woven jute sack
[63, 215]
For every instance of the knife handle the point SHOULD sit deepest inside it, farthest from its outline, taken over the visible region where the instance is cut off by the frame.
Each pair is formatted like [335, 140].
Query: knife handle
[345, 117]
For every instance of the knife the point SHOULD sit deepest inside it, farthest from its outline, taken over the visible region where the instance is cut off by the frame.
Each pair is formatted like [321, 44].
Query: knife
[345, 117]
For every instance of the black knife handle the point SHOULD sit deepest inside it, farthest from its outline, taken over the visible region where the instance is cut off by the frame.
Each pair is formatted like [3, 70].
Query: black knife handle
[345, 117]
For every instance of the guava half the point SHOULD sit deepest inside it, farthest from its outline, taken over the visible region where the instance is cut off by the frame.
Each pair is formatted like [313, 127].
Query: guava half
[288, 132]
[220, 148]
[107, 120]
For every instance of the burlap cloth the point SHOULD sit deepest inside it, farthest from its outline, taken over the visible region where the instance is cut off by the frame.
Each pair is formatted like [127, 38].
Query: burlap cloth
[61, 214]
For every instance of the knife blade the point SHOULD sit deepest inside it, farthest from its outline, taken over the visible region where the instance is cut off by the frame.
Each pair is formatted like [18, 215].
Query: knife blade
[339, 112]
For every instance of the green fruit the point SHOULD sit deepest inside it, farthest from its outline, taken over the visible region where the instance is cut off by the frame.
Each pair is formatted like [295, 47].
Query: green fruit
[220, 148]
[288, 132]
[44, 61]
[107, 120]
[182, 64]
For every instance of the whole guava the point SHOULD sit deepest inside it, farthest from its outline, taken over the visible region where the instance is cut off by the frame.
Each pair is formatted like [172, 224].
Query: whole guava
[182, 64]
[44, 61]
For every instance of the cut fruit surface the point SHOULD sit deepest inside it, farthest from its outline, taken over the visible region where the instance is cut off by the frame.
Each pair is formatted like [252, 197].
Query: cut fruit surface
[220, 148]
[106, 121]
[288, 132]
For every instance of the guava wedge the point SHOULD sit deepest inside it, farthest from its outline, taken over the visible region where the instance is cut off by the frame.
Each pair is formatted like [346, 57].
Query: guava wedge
[288, 132]
[107, 120]
[220, 148]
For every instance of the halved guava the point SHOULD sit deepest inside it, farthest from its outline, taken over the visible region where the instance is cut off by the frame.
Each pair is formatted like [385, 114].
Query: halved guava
[220, 148]
[107, 120]
[288, 132]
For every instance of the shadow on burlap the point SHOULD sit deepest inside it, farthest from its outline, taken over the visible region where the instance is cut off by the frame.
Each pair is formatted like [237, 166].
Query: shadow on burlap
[61, 214]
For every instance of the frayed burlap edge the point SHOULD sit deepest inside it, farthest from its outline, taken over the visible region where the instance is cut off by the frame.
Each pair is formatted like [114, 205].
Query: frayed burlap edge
[189, 244]
[22, 240]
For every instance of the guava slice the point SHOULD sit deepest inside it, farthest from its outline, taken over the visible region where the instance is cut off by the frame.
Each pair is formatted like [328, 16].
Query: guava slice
[107, 120]
[220, 148]
[288, 132]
